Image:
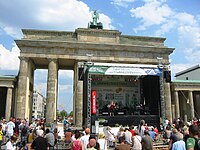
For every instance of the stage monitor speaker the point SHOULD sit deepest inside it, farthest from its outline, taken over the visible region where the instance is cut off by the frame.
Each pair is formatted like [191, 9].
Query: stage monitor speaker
[80, 73]
[167, 76]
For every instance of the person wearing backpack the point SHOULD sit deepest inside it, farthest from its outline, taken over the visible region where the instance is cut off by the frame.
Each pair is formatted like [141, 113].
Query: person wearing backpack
[193, 141]
[77, 143]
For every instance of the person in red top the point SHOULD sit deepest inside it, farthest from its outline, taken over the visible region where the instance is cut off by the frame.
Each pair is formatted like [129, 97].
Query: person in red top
[131, 129]
[156, 133]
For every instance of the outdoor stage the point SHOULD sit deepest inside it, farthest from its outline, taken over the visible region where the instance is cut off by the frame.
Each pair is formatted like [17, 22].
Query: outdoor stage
[123, 99]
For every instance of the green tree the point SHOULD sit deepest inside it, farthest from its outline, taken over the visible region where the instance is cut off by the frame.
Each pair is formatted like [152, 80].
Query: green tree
[62, 114]
[71, 114]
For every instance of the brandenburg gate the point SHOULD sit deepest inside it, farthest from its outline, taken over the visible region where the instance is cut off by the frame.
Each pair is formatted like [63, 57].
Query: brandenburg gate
[55, 50]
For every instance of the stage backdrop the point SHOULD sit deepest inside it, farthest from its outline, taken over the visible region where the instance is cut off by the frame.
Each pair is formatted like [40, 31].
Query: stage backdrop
[125, 90]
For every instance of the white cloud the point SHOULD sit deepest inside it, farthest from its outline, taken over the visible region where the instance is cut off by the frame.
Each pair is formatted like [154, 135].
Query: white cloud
[164, 20]
[65, 88]
[189, 37]
[152, 13]
[45, 14]
[41, 88]
[63, 74]
[185, 19]
[106, 21]
[122, 3]
[9, 58]
[14, 32]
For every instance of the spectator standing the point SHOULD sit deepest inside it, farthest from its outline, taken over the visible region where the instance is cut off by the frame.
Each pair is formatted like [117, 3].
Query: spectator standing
[40, 143]
[141, 128]
[77, 144]
[23, 131]
[10, 128]
[147, 143]
[120, 133]
[53, 125]
[91, 144]
[17, 123]
[179, 145]
[55, 133]
[68, 136]
[128, 136]
[50, 138]
[97, 145]
[192, 141]
[131, 129]
[10, 145]
[1, 135]
[176, 136]
[110, 137]
[85, 138]
[152, 134]
[102, 141]
[136, 141]
[167, 134]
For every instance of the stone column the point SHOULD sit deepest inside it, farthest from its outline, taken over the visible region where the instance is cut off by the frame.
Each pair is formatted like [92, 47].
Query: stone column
[52, 90]
[8, 103]
[190, 96]
[173, 112]
[78, 99]
[22, 91]
[168, 101]
[176, 100]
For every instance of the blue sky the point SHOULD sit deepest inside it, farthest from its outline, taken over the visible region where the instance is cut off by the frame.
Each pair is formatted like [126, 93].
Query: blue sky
[176, 20]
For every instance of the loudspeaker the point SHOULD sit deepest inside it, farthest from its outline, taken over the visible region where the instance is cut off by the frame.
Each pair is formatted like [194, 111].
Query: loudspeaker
[80, 73]
[167, 76]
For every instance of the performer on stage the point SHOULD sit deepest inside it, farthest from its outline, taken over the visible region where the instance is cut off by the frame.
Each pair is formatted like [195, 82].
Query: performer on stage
[111, 108]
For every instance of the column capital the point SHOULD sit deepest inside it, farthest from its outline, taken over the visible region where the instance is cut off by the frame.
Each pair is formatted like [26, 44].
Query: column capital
[52, 59]
[23, 58]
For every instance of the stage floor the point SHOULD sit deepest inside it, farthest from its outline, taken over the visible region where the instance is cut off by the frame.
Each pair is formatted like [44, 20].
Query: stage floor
[124, 120]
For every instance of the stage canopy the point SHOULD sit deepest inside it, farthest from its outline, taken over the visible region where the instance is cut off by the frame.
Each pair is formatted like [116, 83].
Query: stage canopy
[125, 70]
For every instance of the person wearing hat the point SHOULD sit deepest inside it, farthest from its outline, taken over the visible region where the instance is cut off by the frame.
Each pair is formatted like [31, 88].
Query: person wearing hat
[102, 141]
[110, 137]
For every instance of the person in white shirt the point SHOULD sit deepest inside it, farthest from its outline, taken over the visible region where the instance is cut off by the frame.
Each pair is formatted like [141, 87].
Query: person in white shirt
[136, 141]
[10, 145]
[128, 136]
[85, 138]
[50, 138]
[110, 137]
[10, 128]
[141, 128]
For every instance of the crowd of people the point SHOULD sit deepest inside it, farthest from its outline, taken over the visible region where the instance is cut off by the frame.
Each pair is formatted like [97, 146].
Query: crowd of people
[20, 134]
[175, 135]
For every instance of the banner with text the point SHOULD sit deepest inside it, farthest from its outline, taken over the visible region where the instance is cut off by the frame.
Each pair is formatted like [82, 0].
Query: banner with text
[105, 70]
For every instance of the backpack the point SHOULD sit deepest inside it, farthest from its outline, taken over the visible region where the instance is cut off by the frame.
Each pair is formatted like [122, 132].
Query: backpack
[24, 131]
[76, 145]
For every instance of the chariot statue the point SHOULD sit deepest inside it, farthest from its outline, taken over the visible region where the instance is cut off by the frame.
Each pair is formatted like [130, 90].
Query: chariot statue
[94, 24]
